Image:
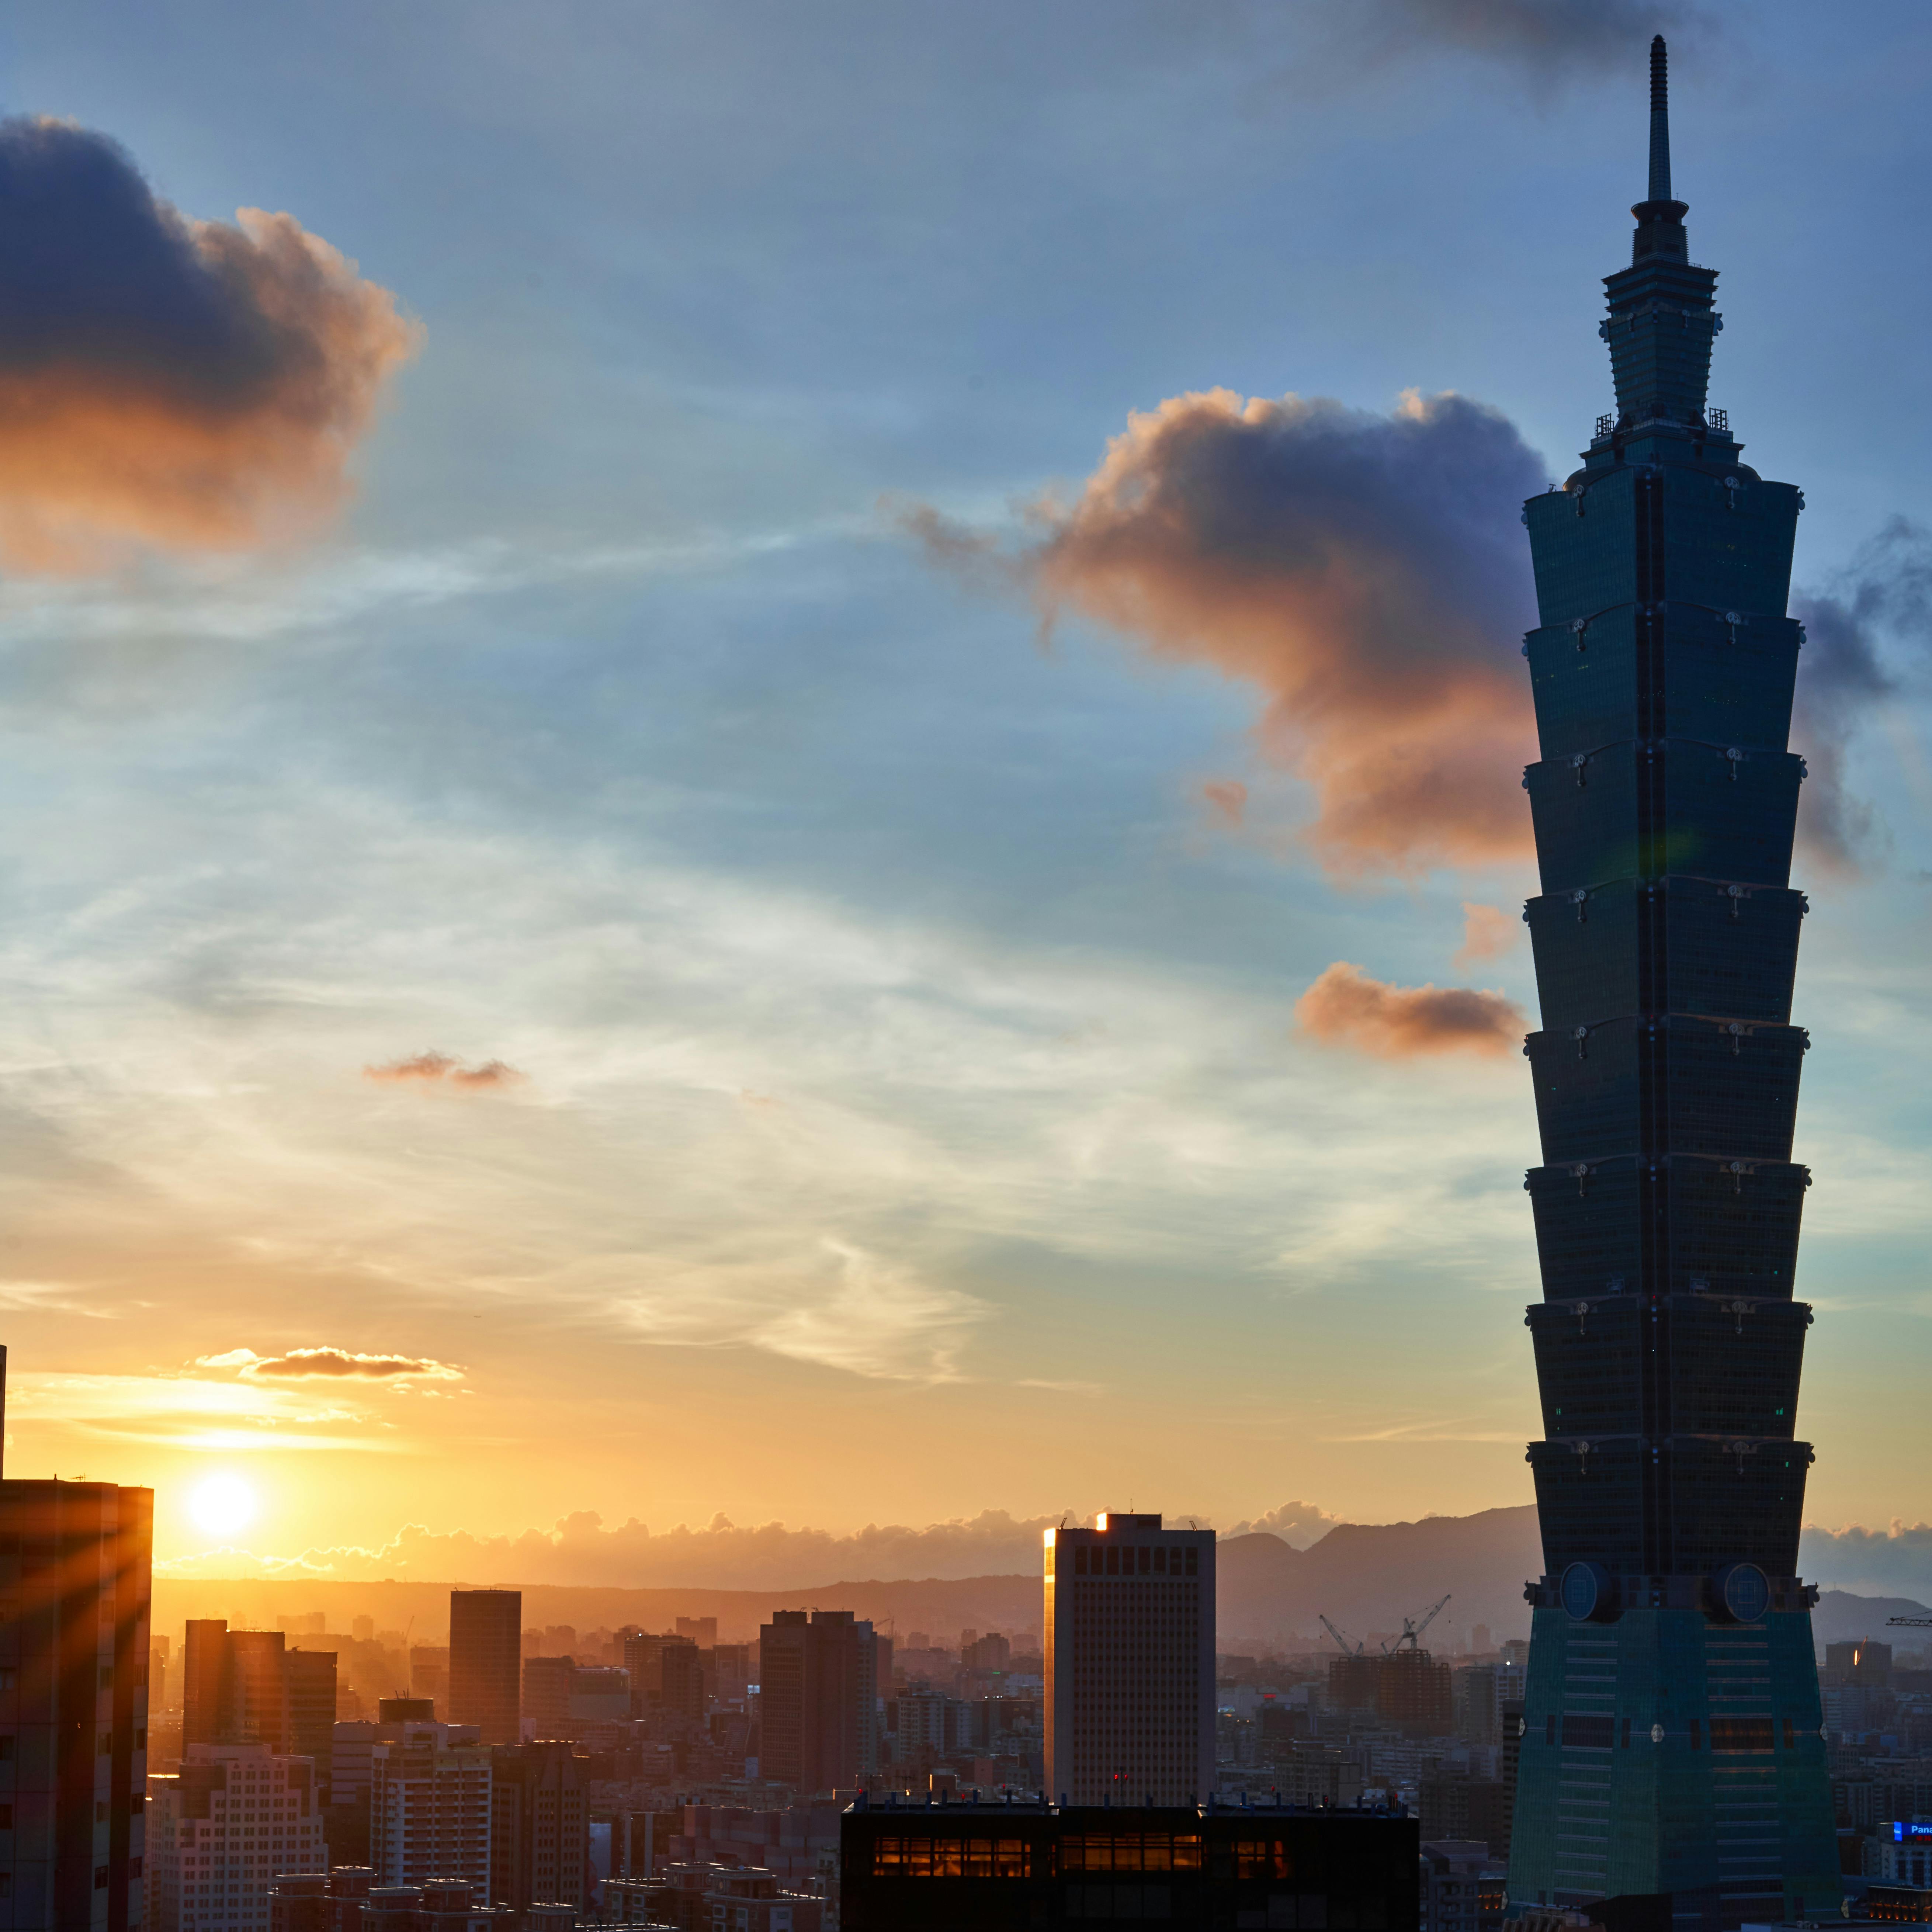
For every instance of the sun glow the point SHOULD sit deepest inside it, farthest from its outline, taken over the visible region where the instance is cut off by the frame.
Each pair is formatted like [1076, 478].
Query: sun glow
[222, 1505]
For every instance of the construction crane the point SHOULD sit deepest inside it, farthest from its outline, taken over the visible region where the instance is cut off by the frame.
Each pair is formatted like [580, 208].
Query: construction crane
[1347, 1649]
[1915, 1623]
[1412, 1628]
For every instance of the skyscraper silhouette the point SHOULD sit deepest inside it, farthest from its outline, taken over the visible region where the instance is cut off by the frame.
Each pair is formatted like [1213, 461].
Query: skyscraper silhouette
[1670, 1741]
[486, 1662]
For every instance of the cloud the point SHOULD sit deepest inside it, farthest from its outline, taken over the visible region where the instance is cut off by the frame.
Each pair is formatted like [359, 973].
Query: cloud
[1346, 1007]
[1488, 933]
[1553, 38]
[165, 383]
[1894, 1561]
[1885, 592]
[579, 1549]
[1228, 797]
[1365, 573]
[186, 1412]
[433, 1067]
[1297, 1523]
[300, 1363]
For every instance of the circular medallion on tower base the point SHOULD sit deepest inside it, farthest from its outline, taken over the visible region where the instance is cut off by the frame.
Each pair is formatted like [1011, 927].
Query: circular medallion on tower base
[1587, 1593]
[1743, 1592]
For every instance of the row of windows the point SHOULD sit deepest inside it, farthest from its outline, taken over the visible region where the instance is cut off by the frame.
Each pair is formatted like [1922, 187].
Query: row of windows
[1595, 1731]
[1144, 1560]
[923, 1857]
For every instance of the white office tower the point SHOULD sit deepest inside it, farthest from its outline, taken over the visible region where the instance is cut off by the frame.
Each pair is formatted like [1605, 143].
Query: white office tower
[429, 1806]
[222, 1830]
[1129, 1663]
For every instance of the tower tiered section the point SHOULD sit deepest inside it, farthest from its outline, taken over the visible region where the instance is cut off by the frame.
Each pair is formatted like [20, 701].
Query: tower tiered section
[1671, 1742]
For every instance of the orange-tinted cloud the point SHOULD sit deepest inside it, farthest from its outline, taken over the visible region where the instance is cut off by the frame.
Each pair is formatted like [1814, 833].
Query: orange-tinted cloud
[1365, 573]
[1844, 680]
[1488, 933]
[439, 1066]
[1346, 1007]
[300, 1364]
[167, 382]
[1228, 797]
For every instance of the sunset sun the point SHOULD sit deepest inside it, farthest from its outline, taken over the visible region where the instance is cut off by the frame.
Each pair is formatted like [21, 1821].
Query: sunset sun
[223, 1504]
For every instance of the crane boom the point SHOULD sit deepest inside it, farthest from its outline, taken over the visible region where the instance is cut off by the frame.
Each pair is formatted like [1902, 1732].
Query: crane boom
[1347, 1649]
[1915, 1623]
[1412, 1628]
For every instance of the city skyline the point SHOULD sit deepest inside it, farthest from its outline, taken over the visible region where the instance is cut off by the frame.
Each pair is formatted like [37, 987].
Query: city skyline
[620, 966]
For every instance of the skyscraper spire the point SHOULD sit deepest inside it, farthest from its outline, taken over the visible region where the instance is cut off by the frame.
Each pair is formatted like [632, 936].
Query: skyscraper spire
[1670, 1748]
[1659, 121]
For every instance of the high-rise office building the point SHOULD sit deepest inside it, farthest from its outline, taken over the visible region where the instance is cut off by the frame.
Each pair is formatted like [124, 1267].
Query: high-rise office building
[666, 1672]
[1129, 1663]
[247, 1687]
[539, 1826]
[74, 1574]
[703, 1631]
[1671, 1742]
[547, 1683]
[222, 1829]
[818, 1699]
[429, 1806]
[486, 1662]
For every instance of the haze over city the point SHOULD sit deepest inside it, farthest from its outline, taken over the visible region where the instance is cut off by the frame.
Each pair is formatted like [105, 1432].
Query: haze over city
[760, 823]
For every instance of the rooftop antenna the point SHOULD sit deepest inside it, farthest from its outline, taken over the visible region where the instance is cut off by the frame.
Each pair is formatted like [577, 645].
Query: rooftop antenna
[3, 1408]
[1659, 121]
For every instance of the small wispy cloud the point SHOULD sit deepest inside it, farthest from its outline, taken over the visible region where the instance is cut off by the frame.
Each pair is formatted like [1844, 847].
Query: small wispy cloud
[433, 1067]
[1488, 933]
[1344, 1006]
[302, 1364]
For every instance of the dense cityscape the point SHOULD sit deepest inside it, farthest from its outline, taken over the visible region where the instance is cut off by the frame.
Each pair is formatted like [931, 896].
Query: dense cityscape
[1667, 1729]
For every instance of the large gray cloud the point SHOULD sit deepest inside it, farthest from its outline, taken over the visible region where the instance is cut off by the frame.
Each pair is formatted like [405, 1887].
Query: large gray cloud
[1365, 573]
[1894, 1561]
[1866, 636]
[190, 385]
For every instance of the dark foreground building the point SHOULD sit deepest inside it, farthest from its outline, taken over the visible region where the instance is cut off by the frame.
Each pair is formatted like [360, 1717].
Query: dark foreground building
[74, 1565]
[486, 1663]
[986, 1867]
[1670, 1745]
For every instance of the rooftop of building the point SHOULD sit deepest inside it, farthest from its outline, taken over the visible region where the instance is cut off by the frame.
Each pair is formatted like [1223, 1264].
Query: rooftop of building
[972, 1805]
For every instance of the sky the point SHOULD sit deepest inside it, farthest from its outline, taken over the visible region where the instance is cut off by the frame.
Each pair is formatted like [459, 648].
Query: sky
[661, 863]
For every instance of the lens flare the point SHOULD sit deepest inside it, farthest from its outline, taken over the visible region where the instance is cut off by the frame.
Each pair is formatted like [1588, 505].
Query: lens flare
[222, 1505]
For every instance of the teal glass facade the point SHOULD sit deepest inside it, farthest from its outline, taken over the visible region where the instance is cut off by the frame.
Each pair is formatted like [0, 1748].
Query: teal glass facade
[1672, 1740]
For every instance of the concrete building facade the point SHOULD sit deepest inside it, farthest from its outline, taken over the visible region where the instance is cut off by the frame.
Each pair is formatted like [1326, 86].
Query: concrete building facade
[222, 1829]
[1129, 1663]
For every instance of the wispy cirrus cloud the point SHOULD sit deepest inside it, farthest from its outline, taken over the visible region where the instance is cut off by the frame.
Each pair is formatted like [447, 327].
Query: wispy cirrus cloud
[186, 1411]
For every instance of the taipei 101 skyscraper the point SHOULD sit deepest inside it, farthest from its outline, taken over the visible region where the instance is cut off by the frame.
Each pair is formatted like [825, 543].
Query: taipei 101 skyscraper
[1671, 1754]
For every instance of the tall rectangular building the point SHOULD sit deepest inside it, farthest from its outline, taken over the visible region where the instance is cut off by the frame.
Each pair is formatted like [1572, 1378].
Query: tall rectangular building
[75, 1565]
[818, 1699]
[429, 1806]
[247, 1687]
[1129, 1663]
[539, 1826]
[486, 1656]
[1669, 1743]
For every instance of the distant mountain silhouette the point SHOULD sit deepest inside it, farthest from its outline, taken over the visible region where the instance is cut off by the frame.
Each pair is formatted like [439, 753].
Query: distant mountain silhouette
[1369, 1576]
[1842, 1618]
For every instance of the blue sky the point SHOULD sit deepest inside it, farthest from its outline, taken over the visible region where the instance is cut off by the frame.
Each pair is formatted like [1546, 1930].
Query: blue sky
[913, 1119]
